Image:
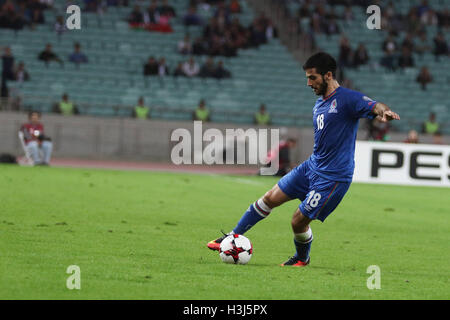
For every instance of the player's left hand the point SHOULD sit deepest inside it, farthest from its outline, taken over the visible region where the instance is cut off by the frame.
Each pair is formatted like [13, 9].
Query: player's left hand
[389, 115]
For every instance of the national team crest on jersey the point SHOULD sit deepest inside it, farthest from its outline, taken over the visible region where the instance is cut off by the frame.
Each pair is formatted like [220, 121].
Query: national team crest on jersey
[333, 107]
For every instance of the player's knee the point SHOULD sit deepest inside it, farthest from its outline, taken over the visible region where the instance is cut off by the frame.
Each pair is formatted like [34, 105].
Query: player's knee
[269, 200]
[275, 197]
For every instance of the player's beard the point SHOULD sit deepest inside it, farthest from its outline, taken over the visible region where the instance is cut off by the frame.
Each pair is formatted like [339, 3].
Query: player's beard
[323, 88]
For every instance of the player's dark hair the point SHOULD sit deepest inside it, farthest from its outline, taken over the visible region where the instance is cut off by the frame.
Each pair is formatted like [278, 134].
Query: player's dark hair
[323, 62]
[33, 112]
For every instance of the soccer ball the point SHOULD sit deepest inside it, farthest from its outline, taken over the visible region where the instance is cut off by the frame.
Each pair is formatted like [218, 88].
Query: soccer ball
[236, 249]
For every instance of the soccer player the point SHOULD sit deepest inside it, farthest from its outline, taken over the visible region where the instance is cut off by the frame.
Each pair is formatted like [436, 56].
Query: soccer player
[320, 182]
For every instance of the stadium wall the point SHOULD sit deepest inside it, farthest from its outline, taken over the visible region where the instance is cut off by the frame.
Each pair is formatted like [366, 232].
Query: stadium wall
[111, 138]
[129, 139]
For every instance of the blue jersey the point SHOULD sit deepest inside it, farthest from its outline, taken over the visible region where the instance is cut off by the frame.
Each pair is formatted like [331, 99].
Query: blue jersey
[336, 120]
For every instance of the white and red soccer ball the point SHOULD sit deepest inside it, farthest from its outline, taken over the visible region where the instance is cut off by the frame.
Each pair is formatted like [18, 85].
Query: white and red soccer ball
[236, 249]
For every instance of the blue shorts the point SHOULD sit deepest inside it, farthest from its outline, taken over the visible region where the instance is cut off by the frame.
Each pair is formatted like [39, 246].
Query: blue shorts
[319, 196]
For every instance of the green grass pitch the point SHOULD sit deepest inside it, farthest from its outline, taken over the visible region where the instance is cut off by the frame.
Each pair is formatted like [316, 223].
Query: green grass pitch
[143, 235]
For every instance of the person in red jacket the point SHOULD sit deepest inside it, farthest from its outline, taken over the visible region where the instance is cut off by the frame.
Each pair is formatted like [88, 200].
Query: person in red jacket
[39, 146]
[284, 158]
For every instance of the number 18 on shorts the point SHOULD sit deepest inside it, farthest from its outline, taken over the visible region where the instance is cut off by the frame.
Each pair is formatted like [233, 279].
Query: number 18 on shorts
[319, 196]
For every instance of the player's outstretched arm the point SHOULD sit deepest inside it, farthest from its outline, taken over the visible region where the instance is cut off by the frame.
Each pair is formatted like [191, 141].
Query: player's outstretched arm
[384, 113]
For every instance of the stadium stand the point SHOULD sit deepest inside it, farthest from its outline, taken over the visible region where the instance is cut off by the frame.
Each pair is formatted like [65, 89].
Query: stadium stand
[398, 89]
[113, 77]
[112, 81]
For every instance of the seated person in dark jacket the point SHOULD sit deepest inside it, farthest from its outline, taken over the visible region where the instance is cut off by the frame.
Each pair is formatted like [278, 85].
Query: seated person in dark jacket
[208, 69]
[152, 67]
[221, 72]
[405, 60]
[48, 55]
[136, 16]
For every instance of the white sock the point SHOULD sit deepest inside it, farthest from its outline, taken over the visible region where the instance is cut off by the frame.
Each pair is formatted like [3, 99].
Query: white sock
[262, 208]
[304, 237]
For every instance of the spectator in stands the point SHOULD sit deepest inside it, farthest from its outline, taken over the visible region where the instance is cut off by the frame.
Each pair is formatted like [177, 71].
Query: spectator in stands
[151, 68]
[332, 27]
[165, 9]
[208, 69]
[222, 14]
[202, 113]
[7, 12]
[230, 47]
[388, 61]
[47, 55]
[443, 19]
[7, 65]
[77, 56]
[345, 58]
[185, 45]
[258, 32]
[191, 68]
[406, 59]
[424, 77]
[178, 72]
[304, 11]
[35, 140]
[20, 73]
[192, 18]
[221, 72]
[271, 30]
[222, 37]
[317, 20]
[429, 18]
[389, 45]
[360, 56]
[348, 14]
[440, 46]
[65, 106]
[422, 8]
[390, 20]
[38, 16]
[413, 24]
[378, 130]
[136, 16]
[17, 21]
[151, 15]
[60, 25]
[413, 137]
[240, 34]
[141, 111]
[422, 46]
[430, 126]
[198, 48]
[262, 117]
[408, 42]
[163, 69]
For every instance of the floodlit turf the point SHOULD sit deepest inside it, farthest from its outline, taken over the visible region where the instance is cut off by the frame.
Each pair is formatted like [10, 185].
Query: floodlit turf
[141, 235]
